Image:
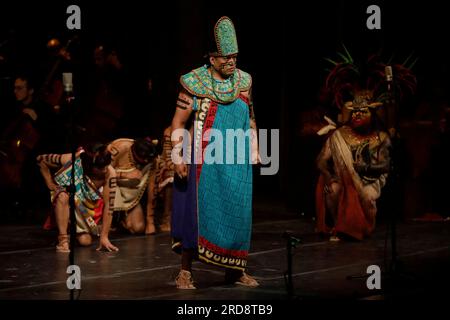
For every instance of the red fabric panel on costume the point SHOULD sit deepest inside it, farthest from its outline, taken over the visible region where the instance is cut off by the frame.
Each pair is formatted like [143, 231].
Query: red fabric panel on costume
[244, 98]
[350, 217]
[320, 207]
[221, 251]
[99, 211]
[50, 222]
[209, 121]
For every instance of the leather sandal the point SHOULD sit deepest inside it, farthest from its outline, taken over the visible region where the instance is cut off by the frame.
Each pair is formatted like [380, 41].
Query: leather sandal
[247, 281]
[63, 243]
[184, 280]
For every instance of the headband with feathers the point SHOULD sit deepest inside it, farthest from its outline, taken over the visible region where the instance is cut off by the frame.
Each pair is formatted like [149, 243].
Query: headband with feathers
[357, 86]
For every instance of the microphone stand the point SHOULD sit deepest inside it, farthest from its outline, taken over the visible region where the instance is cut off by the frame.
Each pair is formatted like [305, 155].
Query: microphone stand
[392, 121]
[394, 115]
[69, 99]
[291, 242]
[395, 267]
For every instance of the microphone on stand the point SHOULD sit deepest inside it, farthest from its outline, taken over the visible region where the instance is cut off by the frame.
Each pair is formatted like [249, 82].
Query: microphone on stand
[68, 88]
[67, 83]
[388, 72]
[392, 112]
[389, 78]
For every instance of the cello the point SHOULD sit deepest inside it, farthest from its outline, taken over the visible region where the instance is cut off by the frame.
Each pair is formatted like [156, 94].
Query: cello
[18, 141]
[21, 136]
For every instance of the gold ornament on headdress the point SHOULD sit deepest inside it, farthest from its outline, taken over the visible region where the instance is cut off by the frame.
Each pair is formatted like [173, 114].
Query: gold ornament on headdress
[362, 100]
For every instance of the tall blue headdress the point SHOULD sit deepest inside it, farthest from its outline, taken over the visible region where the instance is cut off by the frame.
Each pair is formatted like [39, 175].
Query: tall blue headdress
[225, 37]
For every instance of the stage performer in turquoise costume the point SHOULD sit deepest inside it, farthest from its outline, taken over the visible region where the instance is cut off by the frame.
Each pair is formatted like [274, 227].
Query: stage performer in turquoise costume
[212, 200]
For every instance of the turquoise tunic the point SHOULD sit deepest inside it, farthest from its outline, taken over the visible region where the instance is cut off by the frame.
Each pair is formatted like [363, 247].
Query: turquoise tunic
[213, 212]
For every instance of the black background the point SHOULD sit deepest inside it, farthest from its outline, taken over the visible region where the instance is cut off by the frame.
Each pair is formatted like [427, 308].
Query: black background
[282, 44]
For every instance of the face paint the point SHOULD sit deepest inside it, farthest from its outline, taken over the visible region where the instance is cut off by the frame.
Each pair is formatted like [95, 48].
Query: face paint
[225, 65]
[361, 118]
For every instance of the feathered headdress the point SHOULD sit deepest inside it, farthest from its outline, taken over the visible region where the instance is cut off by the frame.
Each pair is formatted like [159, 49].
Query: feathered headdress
[357, 86]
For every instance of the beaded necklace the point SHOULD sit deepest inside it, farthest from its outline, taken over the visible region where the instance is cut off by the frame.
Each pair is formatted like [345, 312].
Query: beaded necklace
[355, 139]
[232, 83]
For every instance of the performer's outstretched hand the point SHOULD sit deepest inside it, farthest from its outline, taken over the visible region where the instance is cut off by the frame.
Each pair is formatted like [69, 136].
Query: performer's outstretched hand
[105, 243]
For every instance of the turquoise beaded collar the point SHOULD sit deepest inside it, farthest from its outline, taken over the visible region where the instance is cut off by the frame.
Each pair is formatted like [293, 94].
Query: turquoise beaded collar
[200, 83]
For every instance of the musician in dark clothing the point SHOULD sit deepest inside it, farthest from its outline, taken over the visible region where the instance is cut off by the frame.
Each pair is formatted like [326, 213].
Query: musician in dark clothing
[20, 139]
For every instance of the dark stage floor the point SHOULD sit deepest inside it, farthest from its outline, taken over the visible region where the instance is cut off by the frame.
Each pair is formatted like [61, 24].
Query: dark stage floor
[145, 267]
